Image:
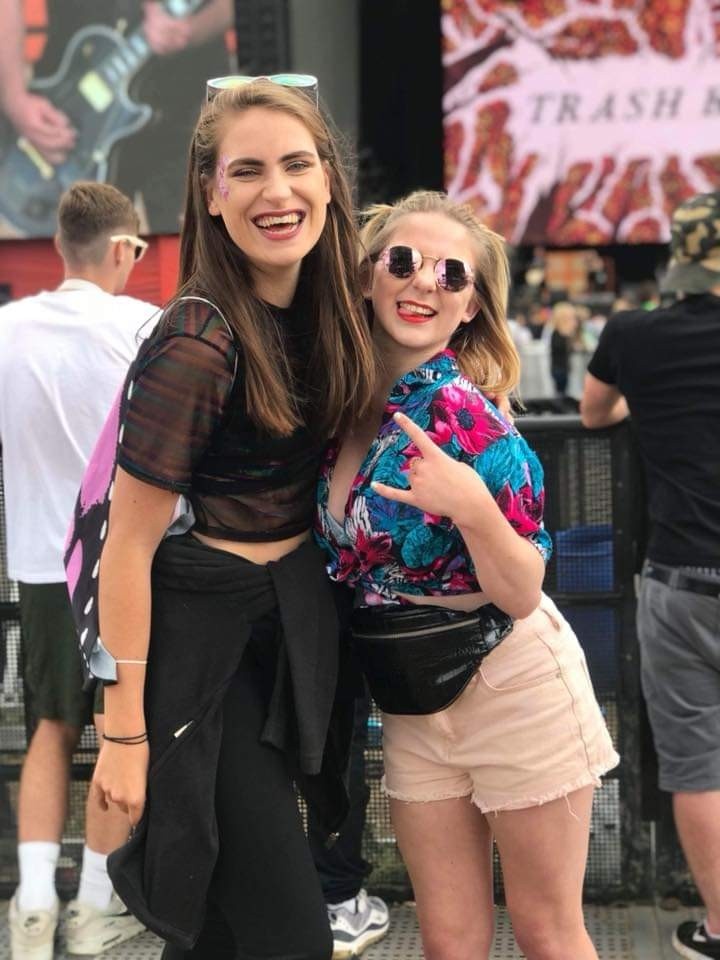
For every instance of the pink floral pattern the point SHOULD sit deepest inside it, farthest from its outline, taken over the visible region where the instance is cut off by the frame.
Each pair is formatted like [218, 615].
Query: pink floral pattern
[384, 547]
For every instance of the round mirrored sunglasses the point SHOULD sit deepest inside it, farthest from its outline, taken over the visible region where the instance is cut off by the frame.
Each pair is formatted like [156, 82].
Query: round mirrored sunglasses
[451, 273]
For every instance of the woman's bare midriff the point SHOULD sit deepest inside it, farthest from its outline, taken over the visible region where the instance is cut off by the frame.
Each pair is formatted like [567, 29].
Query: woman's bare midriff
[256, 552]
[460, 601]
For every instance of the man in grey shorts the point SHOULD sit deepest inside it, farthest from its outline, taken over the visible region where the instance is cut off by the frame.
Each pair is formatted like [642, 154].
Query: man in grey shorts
[63, 356]
[663, 367]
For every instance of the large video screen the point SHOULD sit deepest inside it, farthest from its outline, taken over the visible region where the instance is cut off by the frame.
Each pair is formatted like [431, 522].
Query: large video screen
[105, 90]
[573, 122]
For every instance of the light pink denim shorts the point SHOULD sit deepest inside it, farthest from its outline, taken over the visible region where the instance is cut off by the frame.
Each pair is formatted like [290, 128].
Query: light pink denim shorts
[527, 729]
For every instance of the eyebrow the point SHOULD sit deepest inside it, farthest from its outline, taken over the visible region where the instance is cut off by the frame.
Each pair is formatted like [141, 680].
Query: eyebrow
[254, 162]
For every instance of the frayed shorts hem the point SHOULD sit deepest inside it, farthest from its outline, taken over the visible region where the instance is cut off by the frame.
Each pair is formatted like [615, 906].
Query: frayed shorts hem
[429, 798]
[591, 778]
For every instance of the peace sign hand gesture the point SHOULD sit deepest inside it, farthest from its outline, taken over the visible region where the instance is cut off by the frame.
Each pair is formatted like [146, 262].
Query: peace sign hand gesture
[438, 484]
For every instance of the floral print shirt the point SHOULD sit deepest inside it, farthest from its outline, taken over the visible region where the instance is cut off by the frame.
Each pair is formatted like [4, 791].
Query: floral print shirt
[385, 547]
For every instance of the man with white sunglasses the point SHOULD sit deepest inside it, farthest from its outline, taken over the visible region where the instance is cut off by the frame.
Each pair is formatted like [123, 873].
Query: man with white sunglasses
[63, 356]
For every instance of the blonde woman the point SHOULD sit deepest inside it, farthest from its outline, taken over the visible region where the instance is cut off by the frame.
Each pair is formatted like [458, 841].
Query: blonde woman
[431, 508]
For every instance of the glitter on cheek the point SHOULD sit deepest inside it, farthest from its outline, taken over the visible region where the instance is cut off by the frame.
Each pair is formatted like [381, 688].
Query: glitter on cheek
[222, 185]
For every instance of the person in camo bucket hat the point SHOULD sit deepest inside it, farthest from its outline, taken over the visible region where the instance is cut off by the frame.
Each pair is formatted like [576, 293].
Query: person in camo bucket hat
[695, 245]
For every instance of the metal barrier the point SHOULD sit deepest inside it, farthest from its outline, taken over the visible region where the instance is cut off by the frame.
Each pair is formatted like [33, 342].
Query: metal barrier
[594, 511]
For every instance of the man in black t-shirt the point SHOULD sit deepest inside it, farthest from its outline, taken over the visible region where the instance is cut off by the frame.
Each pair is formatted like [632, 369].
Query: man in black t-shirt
[663, 367]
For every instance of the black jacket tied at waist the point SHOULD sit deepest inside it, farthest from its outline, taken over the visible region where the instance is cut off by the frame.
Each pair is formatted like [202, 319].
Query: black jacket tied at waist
[204, 604]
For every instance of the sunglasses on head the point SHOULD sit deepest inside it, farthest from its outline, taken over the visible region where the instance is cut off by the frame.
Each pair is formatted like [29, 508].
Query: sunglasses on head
[304, 82]
[139, 245]
[451, 274]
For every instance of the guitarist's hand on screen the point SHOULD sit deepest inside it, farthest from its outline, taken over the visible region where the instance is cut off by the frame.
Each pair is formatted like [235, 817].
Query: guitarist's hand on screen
[47, 129]
[165, 33]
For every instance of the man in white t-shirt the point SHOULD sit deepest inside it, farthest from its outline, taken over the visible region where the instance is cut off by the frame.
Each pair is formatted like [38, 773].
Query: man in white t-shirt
[63, 357]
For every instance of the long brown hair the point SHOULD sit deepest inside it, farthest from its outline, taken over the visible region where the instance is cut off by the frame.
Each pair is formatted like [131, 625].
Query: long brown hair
[341, 368]
[485, 350]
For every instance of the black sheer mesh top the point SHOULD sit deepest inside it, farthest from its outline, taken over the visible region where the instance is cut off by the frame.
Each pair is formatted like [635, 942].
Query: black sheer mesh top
[186, 428]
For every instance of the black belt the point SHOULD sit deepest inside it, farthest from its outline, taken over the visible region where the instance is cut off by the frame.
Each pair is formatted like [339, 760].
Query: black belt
[681, 581]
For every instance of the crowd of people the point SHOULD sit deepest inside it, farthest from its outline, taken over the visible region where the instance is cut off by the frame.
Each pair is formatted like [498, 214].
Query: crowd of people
[559, 333]
[298, 477]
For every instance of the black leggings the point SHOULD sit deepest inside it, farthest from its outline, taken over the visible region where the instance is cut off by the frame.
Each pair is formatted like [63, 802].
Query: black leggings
[265, 899]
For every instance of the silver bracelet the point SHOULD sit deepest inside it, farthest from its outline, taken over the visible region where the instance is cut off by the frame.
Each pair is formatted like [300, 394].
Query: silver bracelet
[130, 661]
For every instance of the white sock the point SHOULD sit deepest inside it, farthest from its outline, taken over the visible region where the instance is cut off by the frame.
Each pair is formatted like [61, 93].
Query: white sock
[349, 905]
[711, 933]
[37, 860]
[95, 885]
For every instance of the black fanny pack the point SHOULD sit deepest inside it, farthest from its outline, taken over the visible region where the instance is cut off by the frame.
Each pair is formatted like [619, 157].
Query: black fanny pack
[418, 660]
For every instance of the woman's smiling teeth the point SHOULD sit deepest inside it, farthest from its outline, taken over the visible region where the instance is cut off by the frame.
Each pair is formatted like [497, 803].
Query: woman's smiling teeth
[279, 222]
[405, 306]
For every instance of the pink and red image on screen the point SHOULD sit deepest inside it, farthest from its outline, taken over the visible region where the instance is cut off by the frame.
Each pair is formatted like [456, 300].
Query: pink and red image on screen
[572, 122]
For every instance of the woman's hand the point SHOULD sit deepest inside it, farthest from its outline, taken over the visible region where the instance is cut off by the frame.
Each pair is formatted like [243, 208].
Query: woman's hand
[508, 567]
[120, 777]
[438, 484]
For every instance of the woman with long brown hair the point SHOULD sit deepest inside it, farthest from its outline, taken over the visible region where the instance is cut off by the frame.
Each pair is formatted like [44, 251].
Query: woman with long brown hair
[432, 509]
[223, 639]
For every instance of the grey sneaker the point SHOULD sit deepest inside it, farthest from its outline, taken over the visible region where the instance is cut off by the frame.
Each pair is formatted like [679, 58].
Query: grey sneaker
[89, 930]
[32, 932]
[357, 923]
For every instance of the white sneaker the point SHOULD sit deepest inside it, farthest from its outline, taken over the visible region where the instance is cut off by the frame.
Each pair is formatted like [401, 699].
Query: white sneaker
[89, 930]
[32, 932]
[357, 923]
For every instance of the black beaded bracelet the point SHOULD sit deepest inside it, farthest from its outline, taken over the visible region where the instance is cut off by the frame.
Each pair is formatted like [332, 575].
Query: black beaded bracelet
[130, 741]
